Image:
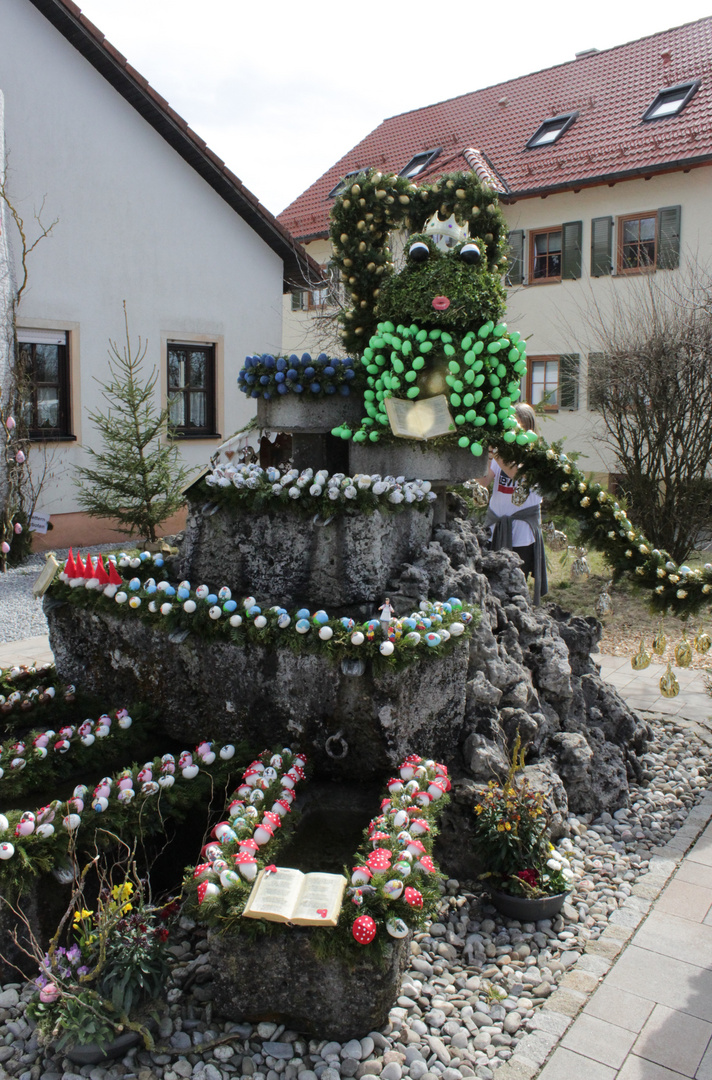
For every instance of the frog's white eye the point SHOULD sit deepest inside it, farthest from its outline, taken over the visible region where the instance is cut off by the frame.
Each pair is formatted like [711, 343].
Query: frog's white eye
[470, 253]
[419, 252]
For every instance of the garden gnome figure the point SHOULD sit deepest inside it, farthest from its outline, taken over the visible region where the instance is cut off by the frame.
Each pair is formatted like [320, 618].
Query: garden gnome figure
[387, 613]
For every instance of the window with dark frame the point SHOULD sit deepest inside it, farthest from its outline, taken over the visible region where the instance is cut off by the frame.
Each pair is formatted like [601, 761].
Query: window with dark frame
[671, 101]
[419, 162]
[545, 255]
[338, 188]
[543, 381]
[637, 243]
[551, 131]
[191, 389]
[44, 364]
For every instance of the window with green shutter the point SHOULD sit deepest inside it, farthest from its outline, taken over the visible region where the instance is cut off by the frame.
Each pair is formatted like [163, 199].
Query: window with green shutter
[668, 237]
[569, 381]
[596, 381]
[515, 274]
[572, 233]
[601, 246]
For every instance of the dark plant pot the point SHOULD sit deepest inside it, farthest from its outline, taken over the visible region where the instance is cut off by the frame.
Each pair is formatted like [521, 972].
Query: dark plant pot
[526, 909]
[95, 1054]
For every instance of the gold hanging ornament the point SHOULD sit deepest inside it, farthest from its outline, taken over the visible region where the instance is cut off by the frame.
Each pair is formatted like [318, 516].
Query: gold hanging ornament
[554, 538]
[669, 686]
[659, 642]
[604, 604]
[703, 642]
[480, 495]
[520, 493]
[579, 567]
[642, 658]
[683, 652]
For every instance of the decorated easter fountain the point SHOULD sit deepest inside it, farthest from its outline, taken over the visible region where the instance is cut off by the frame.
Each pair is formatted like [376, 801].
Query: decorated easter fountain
[346, 605]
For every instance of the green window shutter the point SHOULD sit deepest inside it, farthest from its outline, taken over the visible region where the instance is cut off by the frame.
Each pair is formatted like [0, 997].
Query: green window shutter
[668, 238]
[596, 388]
[569, 381]
[515, 275]
[571, 236]
[601, 246]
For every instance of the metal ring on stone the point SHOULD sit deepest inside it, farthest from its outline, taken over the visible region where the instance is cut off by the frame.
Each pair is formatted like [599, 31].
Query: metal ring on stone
[343, 750]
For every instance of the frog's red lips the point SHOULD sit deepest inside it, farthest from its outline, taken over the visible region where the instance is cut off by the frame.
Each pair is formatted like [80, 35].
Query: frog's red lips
[441, 303]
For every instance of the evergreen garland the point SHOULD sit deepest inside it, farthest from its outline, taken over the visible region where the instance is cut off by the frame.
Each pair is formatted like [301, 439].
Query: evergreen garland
[432, 631]
[84, 821]
[605, 525]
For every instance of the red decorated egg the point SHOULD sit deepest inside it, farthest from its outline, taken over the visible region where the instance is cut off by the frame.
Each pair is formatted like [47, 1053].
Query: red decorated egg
[364, 929]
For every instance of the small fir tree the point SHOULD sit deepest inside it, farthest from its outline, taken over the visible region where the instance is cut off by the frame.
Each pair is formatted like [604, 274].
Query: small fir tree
[136, 477]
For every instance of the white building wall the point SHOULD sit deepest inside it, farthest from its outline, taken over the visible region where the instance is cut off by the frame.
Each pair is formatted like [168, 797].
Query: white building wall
[555, 318]
[134, 222]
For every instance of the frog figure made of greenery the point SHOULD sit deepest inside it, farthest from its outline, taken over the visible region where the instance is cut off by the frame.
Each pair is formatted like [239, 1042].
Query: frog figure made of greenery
[434, 327]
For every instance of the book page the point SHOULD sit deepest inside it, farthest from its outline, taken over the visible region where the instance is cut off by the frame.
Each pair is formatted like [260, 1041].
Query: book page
[419, 419]
[320, 900]
[274, 895]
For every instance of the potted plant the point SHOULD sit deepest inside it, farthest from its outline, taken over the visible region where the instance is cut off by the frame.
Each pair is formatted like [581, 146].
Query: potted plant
[528, 878]
[94, 991]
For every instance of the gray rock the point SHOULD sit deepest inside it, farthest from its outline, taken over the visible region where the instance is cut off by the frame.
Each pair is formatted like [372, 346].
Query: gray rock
[335, 1000]
[282, 1050]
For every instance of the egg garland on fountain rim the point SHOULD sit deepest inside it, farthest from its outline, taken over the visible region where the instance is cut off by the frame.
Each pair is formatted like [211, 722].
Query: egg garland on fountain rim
[432, 329]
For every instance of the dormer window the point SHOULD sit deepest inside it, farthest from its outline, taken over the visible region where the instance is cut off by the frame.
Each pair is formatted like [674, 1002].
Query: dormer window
[342, 183]
[419, 163]
[551, 130]
[671, 101]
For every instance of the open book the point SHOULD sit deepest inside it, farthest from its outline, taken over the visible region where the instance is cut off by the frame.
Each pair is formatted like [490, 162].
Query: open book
[286, 895]
[419, 419]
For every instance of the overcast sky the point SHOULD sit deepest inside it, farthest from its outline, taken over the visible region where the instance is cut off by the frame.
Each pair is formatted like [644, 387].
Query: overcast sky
[282, 90]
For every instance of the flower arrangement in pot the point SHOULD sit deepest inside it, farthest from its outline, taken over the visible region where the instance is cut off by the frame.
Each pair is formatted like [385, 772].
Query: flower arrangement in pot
[96, 992]
[528, 878]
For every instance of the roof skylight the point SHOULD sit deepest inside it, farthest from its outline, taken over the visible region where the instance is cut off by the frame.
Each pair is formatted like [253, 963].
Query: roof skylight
[551, 130]
[420, 162]
[671, 101]
[342, 183]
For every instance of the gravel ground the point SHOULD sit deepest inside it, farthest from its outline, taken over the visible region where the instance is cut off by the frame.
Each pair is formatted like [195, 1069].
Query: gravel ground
[473, 988]
[21, 614]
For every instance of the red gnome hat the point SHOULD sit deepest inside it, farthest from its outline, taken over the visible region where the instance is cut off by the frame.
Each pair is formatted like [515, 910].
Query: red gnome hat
[69, 567]
[101, 574]
[114, 578]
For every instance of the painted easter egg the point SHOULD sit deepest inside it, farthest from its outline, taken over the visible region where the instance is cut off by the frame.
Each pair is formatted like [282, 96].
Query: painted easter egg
[393, 888]
[396, 928]
[364, 929]
[386, 648]
[357, 638]
[6, 850]
[302, 626]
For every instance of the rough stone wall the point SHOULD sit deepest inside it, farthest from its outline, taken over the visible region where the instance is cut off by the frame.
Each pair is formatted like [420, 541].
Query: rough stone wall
[525, 670]
[291, 560]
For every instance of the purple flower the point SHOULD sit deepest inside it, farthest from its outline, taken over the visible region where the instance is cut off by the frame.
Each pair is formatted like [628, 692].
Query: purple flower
[82, 970]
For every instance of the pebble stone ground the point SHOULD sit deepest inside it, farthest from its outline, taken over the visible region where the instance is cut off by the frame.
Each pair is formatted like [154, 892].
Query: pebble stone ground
[483, 996]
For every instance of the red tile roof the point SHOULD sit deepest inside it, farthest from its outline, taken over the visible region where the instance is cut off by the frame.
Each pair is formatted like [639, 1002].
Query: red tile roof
[610, 90]
[66, 17]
